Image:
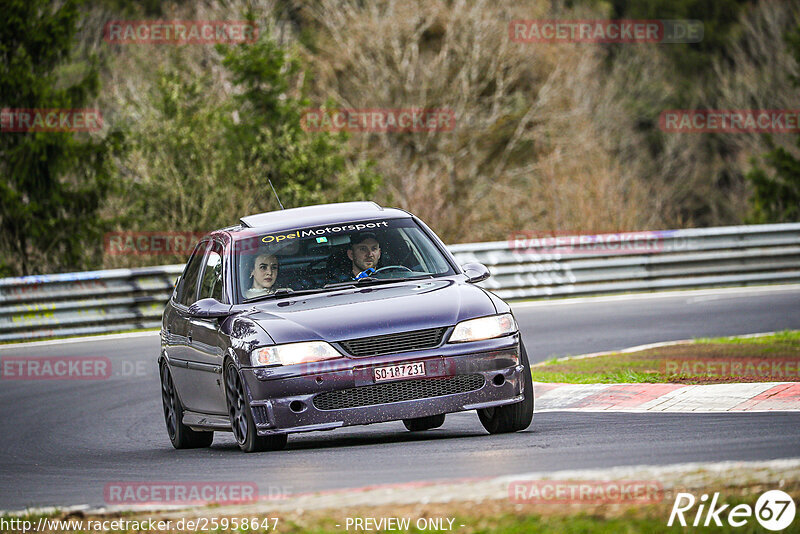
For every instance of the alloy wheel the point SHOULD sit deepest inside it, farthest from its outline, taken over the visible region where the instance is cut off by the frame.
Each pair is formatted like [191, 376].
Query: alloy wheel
[236, 403]
[169, 400]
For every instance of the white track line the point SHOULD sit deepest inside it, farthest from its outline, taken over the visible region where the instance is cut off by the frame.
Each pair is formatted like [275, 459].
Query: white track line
[658, 295]
[648, 346]
[83, 339]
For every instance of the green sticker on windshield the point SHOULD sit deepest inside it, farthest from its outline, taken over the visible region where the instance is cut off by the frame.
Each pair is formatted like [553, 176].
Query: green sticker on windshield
[322, 240]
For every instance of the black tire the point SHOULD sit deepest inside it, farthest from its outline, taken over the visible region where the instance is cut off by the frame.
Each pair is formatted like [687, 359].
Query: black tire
[242, 424]
[512, 417]
[181, 436]
[424, 423]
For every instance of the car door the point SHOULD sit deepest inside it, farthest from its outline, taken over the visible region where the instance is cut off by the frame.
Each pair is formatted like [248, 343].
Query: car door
[205, 391]
[178, 327]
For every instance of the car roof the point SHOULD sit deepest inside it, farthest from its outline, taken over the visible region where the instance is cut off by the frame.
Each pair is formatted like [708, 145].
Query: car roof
[309, 216]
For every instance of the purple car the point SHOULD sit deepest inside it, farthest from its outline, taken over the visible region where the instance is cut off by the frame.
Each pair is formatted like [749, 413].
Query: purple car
[327, 316]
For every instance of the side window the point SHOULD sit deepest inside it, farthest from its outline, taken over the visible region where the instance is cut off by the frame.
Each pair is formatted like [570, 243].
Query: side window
[188, 283]
[211, 284]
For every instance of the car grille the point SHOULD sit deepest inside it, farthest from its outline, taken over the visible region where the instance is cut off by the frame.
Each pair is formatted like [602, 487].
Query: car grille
[403, 390]
[393, 343]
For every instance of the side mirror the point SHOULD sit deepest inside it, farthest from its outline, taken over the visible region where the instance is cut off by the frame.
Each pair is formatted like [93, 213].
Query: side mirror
[476, 272]
[209, 309]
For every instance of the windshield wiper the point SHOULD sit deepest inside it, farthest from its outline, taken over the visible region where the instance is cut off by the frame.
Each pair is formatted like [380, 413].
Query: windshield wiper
[284, 292]
[369, 280]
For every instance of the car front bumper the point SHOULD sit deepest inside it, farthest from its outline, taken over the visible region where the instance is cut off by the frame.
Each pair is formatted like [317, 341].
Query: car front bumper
[343, 392]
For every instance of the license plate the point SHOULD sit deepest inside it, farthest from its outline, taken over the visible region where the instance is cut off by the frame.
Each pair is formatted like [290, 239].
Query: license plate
[404, 370]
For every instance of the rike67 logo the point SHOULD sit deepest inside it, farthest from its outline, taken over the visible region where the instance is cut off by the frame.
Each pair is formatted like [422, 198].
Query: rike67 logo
[774, 510]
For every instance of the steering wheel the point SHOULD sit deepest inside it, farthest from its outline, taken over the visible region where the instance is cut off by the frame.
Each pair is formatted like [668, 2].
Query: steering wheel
[395, 267]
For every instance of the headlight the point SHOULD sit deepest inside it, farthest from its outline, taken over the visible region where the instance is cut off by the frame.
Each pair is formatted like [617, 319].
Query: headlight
[292, 353]
[484, 328]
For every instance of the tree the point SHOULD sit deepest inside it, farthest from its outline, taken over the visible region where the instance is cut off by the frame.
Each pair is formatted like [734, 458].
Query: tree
[776, 195]
[200, 156]
[269, 141]
[51, 183]
[692, 60]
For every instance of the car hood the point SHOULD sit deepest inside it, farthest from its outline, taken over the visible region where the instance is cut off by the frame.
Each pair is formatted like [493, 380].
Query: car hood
[372, 310]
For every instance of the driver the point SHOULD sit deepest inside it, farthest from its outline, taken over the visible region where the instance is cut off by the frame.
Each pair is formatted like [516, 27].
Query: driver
[364, 253]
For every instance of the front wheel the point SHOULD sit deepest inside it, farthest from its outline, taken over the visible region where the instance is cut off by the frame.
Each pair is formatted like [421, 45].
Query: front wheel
[181, 436]
[242, 424]
[418, 424]
[512, 417]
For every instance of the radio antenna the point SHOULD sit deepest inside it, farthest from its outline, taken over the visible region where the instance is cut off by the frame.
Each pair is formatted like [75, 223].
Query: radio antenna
[276, 194]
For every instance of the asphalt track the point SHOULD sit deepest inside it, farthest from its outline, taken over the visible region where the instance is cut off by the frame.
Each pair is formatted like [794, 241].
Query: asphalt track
[63, 441]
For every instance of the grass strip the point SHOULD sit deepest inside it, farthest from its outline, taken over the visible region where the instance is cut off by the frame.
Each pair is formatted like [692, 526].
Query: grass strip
[771, 358]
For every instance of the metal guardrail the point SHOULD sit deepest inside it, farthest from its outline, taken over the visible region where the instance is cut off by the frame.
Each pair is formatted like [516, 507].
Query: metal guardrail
[707, 257]
[35, 307]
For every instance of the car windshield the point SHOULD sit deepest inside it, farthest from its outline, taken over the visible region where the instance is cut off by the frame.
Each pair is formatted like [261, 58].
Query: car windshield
[328, 257]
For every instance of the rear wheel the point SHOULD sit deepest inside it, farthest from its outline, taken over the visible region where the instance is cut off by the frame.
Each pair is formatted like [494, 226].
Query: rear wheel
[242, 424]
[424, 423]
[512, 417]
[181, 436]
